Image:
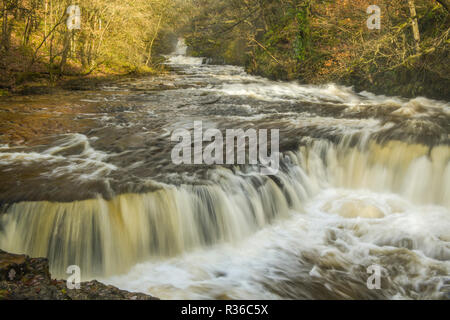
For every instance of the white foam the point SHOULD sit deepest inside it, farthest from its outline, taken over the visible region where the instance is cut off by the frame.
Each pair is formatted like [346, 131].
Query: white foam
[274, 254]
[89, 163]
[183, 60]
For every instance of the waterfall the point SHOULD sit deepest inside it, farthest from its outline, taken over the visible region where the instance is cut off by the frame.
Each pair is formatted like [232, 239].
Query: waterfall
[106, 237]
[181, 48]
[179, 57]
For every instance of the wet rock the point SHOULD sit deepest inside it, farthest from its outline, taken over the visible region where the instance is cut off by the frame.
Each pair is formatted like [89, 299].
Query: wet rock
[11, 266]
[24, 278]
[35, 90]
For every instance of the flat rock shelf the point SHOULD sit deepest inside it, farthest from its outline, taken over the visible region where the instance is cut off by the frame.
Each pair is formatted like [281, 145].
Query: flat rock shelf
[25, 278]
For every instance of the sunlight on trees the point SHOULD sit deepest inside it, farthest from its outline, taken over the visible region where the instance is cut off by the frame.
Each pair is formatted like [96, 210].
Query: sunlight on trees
[113, 33]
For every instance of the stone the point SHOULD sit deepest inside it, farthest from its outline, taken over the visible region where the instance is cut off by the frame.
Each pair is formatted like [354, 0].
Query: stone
[25, 278]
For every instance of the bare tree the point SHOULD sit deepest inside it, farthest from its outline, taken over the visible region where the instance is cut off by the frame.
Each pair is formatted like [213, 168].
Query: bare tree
[415, 24]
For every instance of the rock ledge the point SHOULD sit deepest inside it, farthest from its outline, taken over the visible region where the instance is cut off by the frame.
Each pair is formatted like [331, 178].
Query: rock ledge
[25, 278]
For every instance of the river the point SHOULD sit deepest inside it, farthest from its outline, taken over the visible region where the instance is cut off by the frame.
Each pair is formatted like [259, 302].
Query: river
[364, 180]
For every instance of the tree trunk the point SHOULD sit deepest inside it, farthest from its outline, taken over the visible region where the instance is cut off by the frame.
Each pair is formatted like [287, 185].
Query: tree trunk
[65, 52]
[149, 57]
[27, 31]
[4, 40]
[415, 24]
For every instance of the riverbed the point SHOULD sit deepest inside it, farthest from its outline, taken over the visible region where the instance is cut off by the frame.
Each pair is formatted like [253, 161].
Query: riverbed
[364, 181]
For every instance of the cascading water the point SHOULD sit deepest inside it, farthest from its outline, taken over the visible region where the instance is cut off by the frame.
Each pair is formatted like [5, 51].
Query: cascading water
[364, 180]
[179, 57]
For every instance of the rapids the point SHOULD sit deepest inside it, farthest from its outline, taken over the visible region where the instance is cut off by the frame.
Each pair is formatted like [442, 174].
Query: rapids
[364, 180]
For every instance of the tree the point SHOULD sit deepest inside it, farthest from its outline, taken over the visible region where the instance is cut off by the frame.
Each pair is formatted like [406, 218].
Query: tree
[414, 24]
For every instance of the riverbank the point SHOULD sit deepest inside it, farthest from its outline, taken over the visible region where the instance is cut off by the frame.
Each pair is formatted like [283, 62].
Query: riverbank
[320, 43]
[25, 278]
[20, 81]
[23, 74]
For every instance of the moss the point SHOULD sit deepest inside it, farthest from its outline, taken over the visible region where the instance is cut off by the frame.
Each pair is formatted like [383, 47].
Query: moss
[4, 92]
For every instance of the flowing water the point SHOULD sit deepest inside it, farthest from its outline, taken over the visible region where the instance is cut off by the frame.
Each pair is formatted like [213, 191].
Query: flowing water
[364, 180]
